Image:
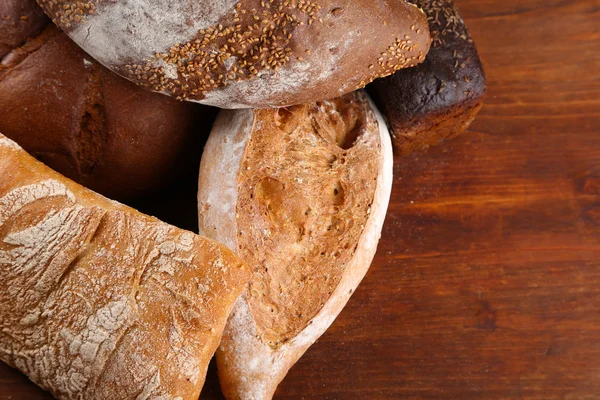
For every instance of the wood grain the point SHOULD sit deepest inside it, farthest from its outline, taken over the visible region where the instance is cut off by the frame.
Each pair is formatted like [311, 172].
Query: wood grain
[487, 280]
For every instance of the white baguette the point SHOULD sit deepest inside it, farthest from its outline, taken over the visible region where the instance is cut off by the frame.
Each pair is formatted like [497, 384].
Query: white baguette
[98, 301]
[256, 354]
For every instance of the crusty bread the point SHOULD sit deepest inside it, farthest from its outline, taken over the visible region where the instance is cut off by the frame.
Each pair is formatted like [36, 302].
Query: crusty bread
[98, 301]
[86, 122]
[247, 53]
[301, 194]
[19, 20]
[439, 98]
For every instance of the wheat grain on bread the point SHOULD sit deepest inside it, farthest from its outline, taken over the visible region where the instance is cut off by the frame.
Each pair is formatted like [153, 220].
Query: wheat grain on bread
[247, 53]
[98, 301]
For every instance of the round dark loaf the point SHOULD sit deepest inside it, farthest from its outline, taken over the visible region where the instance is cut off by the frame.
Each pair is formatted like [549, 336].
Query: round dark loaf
[439, 98]
[247, 53]
[92, 125]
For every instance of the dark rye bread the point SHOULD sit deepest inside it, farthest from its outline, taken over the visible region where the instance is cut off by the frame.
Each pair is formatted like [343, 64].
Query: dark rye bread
[92, 125]
[439, 98]
[247, 53]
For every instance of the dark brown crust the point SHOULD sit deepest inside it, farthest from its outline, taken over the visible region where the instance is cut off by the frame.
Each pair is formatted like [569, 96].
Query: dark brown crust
[437, 99]
[431, 130]
[91, 125]
[19, 20]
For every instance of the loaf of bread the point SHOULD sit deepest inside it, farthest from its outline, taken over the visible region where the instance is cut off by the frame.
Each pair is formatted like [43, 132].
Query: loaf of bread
[88, 123]
[98, 301]
[301, 194]
[439, 98]
[247, 53]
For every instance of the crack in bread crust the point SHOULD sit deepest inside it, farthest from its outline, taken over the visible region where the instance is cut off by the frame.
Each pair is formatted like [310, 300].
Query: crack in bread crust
[99, 301]
[250, 367]
[18, 55]
[301, 212]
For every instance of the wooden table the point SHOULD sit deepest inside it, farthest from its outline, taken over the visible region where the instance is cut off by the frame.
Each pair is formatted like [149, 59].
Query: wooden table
[487, 280]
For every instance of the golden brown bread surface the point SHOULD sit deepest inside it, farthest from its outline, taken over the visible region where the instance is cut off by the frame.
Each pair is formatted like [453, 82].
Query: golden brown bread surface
[304, 192]
[301, 194]
[247, 53]
[98, 301]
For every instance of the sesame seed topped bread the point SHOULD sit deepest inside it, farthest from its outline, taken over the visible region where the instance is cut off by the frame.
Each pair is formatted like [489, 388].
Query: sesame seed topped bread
[98, 301]
[247, 53]
[301, 194]
[439, 98]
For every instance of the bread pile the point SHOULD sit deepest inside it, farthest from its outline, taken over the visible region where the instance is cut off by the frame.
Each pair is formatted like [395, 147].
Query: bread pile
[100, 301]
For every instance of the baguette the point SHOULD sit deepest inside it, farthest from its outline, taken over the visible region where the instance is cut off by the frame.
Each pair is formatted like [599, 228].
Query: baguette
[247, 53]
[98, 301]
[301, 194]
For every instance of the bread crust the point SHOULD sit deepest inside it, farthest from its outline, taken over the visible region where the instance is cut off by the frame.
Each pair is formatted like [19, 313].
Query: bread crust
[251, 367]
[91, 125]
[98, 301]
[439, 98]
[247, 53]
[19, 20]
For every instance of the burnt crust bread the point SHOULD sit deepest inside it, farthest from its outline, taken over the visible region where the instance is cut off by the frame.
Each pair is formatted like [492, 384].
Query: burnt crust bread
[19, 20]
[247, 53]
[439, 98]
[91, 125]
[301, 194]
[98, 301]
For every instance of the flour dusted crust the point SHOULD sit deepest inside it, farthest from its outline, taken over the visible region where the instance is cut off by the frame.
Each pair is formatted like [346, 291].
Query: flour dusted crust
[98, 301]
[247, 53]
[305, 203]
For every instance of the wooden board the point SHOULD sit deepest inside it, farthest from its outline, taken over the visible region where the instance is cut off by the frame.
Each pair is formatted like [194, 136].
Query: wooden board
[487, 280]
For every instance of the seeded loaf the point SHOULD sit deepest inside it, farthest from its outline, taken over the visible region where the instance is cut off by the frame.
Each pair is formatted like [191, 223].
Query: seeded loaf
[90, 124]
[439, 98]
[98, 301]
[247, 53]
[301, 194]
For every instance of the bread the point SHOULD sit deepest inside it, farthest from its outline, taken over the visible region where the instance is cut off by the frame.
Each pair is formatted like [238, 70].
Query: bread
[439, 98]
[301, 194]
[247, 53]
[92, 125]
[19, 20]
[98, 301]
